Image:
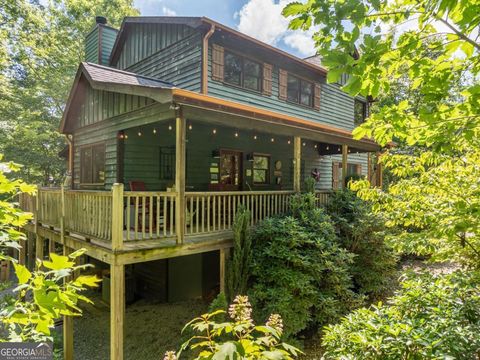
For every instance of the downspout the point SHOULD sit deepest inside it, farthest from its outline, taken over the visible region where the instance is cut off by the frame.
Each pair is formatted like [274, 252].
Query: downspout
[205, 59]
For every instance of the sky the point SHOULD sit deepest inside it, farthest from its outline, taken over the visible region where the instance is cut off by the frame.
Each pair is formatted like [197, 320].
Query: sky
[261, 19]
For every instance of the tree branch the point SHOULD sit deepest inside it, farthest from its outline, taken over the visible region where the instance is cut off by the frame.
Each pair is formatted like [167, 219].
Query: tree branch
[457, 32]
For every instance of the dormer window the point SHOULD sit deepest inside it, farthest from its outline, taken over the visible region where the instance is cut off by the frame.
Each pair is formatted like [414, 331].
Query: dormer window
[243, 72]
[299, 91]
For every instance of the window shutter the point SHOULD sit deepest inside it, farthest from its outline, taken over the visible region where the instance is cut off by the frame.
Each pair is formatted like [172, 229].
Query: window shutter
[217, 62]
[267, 79]
[316, 97]
[282, 84]
[335, 173]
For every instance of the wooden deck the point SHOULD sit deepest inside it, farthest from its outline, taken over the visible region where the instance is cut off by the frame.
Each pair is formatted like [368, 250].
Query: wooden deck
[129, 227]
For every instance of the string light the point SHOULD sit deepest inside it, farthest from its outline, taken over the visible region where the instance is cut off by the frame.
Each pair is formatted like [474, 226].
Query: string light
[169, 127]
[328, 147]
[315, 146]
[154, 131]
[236, 134]
[121, 136]
[304, 144]
[190, 127]
[139, 133]
[288, 142]
[214, 131]
[126, 136]
[254, 137]
[272, 139]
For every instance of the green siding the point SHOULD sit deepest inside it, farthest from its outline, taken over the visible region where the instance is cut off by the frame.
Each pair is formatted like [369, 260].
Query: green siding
[146, 39]
[179, 63]
[336, 107]
[107, 36]
[99, 105]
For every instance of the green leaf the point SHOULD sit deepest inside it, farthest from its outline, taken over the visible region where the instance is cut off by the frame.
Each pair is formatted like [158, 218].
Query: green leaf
[58, 262]
[293, 8]
[22, 273]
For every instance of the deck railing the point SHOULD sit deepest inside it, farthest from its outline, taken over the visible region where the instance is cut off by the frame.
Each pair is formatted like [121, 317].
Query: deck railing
[150, 215]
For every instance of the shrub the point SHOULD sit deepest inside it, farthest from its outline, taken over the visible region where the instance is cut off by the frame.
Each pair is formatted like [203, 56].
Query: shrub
[431, 317]
[238, 266]
[363, 234]
[238, 339]
[298, 269]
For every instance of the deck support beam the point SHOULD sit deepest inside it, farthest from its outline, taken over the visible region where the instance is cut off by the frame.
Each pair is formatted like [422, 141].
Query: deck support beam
[344, 165]
[39, 242]
[224, 254]
[297, 163]
[117, 310]
[67, 324]
[180, 147]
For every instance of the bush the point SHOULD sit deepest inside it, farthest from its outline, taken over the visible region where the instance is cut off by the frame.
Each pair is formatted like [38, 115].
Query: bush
[238, 339]
[363, 233]
[429, 318]
[298, 269]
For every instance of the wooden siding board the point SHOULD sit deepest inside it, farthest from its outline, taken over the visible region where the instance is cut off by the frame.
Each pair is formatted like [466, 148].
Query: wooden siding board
[179, 63]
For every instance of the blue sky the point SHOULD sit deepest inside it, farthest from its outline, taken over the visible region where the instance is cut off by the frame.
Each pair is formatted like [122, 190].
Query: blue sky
[261, 19]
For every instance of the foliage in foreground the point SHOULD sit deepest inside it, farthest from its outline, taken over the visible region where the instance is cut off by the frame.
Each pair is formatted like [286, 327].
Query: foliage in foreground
[237, 339]
[47, 293]
[50, 295]
[431, 317]
[362, 233]
[299, 270]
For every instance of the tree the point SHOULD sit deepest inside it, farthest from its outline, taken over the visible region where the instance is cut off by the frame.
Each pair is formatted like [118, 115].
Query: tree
[41, 46]
[435, 194]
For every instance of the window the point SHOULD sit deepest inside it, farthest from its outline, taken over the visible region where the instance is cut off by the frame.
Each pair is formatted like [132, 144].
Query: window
[242, 72]
[353, 170]
[167, 163]
[261, 169]
[92, 164]
[360, 112]
[299, 91]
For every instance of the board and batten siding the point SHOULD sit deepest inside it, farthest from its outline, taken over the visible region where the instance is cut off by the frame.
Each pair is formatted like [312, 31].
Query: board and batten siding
[100, 105]
[143, 40]
[179, 63]
[336, 107]
[99, 44]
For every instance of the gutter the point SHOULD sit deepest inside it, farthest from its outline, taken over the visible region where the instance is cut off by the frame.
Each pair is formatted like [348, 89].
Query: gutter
[205, 59]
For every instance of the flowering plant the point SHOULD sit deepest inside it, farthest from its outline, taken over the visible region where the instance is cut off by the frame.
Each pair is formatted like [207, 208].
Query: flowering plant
[239, 338]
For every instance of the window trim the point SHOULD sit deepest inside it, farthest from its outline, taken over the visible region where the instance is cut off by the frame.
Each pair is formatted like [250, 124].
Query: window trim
[242, 76]
[312, 96]
[81, 169]
[365, 110]
[268, 169]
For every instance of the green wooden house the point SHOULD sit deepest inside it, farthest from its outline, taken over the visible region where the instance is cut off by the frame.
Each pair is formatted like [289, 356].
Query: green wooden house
[174, 122]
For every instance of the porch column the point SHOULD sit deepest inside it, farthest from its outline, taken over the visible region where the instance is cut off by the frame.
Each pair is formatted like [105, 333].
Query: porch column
[297, 163]
[379, 173]
[344, 165]
[117, 310]
[67, 325]
[224, 255]
[180, 146]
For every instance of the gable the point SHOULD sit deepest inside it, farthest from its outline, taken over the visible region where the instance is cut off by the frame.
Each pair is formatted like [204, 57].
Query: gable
[143, 40]
[98, 105]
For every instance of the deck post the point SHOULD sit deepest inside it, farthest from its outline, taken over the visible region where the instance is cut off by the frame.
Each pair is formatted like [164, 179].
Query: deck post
[22, 253]
[369, 168]
[224, 254]
[344, 165]
[297, 163]
[379, 173]
[39, 247]
[51, 245]
[180, 146]
[117, 216]
[30, 250]
[67, 325]
[117, 310]
[62, 215]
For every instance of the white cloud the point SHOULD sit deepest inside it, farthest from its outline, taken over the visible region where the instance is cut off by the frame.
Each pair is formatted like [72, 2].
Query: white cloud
[263, 20]
[168, 12]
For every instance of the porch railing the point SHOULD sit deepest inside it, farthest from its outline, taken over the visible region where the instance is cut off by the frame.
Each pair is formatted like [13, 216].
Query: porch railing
[150, 215]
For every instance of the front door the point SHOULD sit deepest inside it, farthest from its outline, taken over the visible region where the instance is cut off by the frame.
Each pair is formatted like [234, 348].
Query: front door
[230, 170]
